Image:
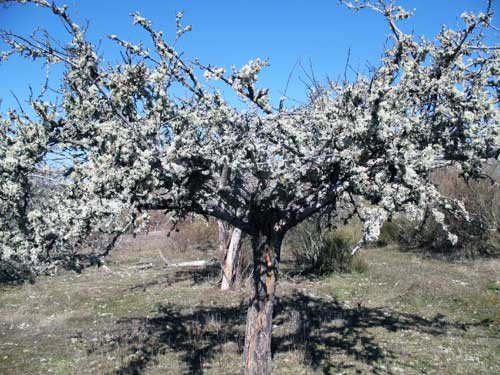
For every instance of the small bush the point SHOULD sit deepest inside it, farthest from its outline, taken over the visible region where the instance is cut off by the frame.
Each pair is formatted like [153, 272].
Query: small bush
[411, 234]
[13, 272]
[389, 233]
[358, 264]
[322, 252]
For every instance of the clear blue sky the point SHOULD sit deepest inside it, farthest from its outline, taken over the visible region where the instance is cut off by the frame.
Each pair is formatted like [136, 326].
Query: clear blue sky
[232, 32]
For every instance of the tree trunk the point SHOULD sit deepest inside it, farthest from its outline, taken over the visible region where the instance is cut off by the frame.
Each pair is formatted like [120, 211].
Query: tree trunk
[229, 245]
[257, 349]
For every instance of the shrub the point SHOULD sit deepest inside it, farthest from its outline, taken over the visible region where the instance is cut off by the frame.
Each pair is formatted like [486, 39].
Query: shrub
[322, 251]
[389, 233]
[15, 272]
[480, 236]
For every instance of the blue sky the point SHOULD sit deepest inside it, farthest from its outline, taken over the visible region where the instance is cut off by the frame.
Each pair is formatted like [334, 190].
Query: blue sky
[233, 32]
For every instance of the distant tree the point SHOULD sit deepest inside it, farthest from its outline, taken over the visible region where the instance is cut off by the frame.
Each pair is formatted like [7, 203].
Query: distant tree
[367, 146]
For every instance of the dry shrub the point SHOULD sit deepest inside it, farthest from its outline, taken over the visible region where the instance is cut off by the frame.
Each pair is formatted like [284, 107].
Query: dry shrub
[195, 233]
[322, 251]
[390, 232]
[478, 237]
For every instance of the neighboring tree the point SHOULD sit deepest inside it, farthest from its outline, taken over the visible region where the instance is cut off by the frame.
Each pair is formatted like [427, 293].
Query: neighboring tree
[229, 242]
[367, 145]
[229, 249]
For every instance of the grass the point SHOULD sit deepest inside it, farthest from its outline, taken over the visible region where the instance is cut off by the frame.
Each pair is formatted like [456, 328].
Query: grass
[403, 315]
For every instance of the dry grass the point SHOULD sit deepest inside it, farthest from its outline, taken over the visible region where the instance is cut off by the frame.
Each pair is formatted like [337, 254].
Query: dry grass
[405, 315]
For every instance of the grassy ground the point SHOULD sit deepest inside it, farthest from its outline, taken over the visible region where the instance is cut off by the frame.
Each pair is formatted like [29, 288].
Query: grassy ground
[405, 315]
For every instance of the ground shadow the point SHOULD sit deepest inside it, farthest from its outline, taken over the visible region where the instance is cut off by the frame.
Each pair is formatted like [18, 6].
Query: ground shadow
[197, 335]
[195, 275]
[315, 326]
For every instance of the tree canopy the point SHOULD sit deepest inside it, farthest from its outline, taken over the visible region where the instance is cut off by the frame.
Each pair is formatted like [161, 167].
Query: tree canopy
[121, 134]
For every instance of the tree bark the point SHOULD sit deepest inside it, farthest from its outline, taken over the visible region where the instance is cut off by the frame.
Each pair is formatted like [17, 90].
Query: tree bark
[257, 350]
[229, 246]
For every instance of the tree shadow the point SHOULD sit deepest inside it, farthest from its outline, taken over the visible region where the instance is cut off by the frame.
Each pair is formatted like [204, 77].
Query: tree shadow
[196, 275]
[316, 327]
[323, 328]
[195, 335]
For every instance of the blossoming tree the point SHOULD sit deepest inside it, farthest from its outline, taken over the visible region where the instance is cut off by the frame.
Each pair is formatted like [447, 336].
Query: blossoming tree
[365, 147]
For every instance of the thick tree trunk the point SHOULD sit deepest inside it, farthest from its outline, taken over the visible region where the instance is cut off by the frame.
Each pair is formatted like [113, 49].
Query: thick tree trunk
[257, 349]
[229, 246]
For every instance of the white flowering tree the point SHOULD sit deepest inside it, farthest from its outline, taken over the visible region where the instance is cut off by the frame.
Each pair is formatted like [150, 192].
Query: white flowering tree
[365, 146]
[46, 219]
